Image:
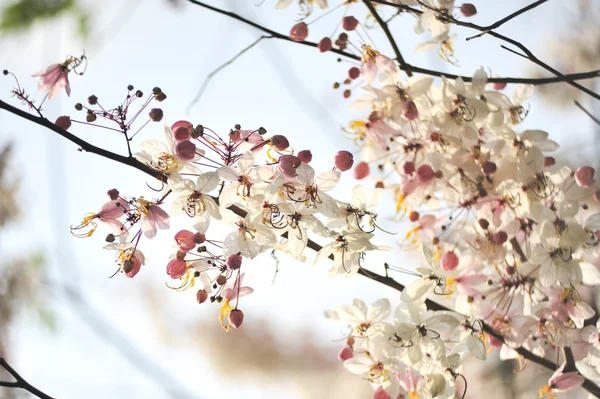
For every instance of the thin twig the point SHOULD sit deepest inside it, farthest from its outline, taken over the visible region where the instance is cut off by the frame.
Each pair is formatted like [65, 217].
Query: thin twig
[221, 67]
[20, 382]
[389, 36]
[408, 67]
[592, 117]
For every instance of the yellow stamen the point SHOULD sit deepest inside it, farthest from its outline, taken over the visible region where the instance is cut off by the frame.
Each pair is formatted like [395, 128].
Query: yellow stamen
[369, 53]
[87, 221]
[224, 314]
[546, 393]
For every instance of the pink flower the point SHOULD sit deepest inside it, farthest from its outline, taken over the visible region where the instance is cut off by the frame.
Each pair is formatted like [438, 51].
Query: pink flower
[305, 156]
[561, 382]
[450, 261]
[111, 212]
[299, 32]
[288, 165]
[234, 262]
[182, 130]
[54, 78]
[152, 216]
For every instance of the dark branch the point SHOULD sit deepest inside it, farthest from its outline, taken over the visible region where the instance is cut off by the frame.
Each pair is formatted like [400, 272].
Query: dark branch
[407, 67]
[20, 382]
[389, 36]
[588, 113]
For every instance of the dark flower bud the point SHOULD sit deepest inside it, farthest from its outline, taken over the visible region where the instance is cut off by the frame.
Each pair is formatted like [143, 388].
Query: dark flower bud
[236, 318]
[156, 114]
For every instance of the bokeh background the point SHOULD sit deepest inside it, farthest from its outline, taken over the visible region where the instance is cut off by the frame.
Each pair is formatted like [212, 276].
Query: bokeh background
[75, 333]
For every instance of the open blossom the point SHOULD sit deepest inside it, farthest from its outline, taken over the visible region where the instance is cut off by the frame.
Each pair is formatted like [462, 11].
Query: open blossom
[54, 78]
[194, 199]
[110, 213]
[561, 382]
[152, 217]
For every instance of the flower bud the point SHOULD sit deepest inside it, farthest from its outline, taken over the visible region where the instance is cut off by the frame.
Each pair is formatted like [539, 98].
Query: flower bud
[185, 240]
[549, 161]
[234, 262]
[413, 216]
[484, 223]
[288, 165]
[408, 167]
[92, 100]
[499, 86]
[500, 237]
[305, 156]
[180, 255]
[156, 114]
[280, 142]
[410, 111]
[343, 160]
[156, 91]
[199, 238]
[342, 39]
[113, 194]
[201, 296]
[181, 134]
[346, 353]
[488, 168]
[160, 97]
[176, 268]
[584, 176]
[347, 93]
[78, 106]
[236, 318]
[349, 23]
[110, 238]
[186, 150]
[299, 32]
[468, 9]
[425, 174]
[324, 44]
[221, 280]
[354, 73]
[380, 393]
[132, 267]
[449, 261]
[361, 170]
[63, 122]
[90, 117]
[379, 184]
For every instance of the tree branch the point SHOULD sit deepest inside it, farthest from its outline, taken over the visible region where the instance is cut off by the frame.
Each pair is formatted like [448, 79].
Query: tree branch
[389, 36]
[408, 68]
[20, 382]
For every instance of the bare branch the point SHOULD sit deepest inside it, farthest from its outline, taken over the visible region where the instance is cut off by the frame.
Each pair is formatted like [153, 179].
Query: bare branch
[20, 382]
[588, 113]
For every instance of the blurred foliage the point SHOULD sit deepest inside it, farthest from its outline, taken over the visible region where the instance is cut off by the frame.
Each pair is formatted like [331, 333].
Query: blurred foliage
[20, 15]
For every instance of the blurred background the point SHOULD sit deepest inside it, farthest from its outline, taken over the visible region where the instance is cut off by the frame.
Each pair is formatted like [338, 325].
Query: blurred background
[74, 333]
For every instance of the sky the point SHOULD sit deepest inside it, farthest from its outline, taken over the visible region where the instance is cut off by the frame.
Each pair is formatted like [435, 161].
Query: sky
[282, 86]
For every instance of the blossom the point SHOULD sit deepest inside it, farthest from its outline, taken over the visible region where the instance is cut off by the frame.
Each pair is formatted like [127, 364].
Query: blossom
[561, 382]
[54, 78]
[109, 213]
[232, 291]
[195, 201]
[152, 216]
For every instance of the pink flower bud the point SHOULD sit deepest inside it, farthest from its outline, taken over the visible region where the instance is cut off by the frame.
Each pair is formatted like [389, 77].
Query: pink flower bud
[181, 134]
[380, 393]
[354, 73]
[549, 161]
[584, 176]
[342, 39]
[156, 114]
[361, 170]
[413, 216]
[500, 237]
[299, 32]
[425, 174]
[184, 124]
[499, 86]
[343, 160]
[176, 268]
[495, 342]
[408, 167]
[279, 142]
[201, 296]
[324, 45]
[410, 111]
[185, 240]
[132, 267]
[347, 93]
[288, 165]
[488, 168]
[468, 9]
[234, 262]
[185, 150]
[63, 122]
[199, 238]
[236, 318]
[349, 23]
[113, 194]
[450, 261]
[346, 353]
[305, 156]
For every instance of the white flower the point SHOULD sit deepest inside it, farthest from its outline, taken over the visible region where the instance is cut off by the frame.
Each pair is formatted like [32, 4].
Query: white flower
[247, 239]
[195, 200]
